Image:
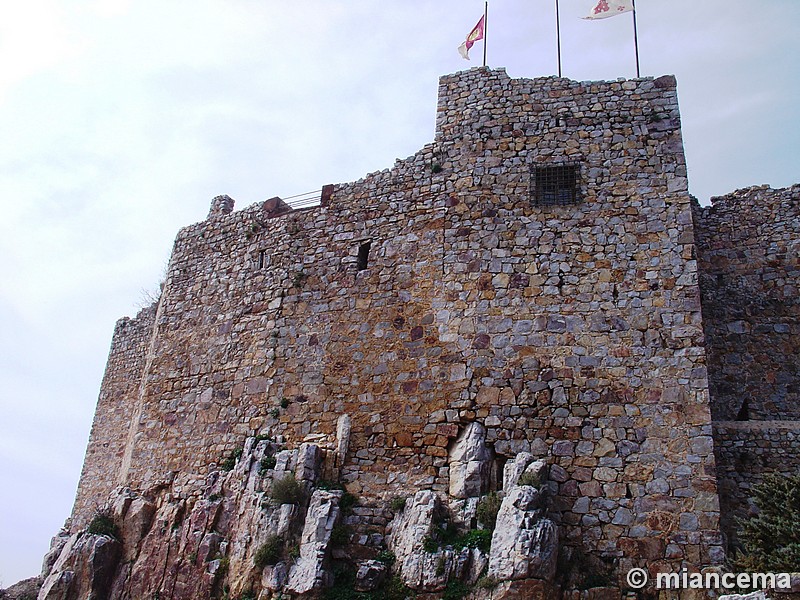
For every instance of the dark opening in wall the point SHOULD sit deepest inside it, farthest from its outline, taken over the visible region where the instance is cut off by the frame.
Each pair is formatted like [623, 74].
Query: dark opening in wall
[363, 255]
[263, 259]
[555, 185]
[744, 412]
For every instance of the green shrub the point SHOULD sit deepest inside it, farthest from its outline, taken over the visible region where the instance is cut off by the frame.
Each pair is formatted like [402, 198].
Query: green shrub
[430, 544]
[475, 538]
[325, 484]
[103, 524]
[267, 463]
[287, 491]
[487, 510]
[299, 278]
[531, 479]
[387, 557]
[486, 583]
[270, 552]
[230, 462]
[398, 503]
[344, 588]
[293, 552]
[455, 590]
[771, 539]
[347, 502]
[284, 403]
[340, 536]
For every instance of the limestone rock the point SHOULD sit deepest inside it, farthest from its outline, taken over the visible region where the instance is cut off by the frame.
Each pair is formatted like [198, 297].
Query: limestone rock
[470, 463]
[514, 469]
[430, 572]
[136, 523]
[85, 568]
[57, 586]
[56, 546]
[274, 577]
[308, 572]
[370, 574]
[524, 544]
[309, 458]
[409, 528]
[27, 588]
[343, 427]
[524, 589]
[524, 463]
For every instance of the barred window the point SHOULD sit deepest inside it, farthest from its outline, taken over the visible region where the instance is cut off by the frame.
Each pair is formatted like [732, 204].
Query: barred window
[555, 185]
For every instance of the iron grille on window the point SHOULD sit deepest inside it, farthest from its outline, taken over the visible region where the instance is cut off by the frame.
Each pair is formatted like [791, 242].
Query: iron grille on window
[555, 185]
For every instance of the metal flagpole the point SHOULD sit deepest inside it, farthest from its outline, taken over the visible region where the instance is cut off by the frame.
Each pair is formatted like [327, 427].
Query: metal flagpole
[485, 28]
[635, 38]
[558, 37]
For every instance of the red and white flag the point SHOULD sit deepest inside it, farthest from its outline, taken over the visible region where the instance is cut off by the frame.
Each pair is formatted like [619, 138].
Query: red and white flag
[610, 8]
[474, 35]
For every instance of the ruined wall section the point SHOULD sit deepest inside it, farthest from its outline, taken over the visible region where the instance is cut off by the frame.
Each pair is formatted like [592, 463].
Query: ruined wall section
[749, 250]
[748, 246]
[746, 451]
[115, 405]
[569, 331]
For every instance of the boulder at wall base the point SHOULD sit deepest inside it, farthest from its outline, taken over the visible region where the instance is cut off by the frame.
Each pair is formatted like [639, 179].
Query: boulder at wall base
[409, 527]
[57, 586]
[524, 544]
[470, 463]
[85, 569]
[308, 572]
[369, 575]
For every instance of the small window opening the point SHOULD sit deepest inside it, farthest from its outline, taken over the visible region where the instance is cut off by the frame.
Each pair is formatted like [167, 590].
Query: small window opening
[555, 185]
[363, 255]
[263, 259]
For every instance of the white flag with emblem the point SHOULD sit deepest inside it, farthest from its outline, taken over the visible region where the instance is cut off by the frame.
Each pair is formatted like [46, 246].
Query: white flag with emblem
[610, 8]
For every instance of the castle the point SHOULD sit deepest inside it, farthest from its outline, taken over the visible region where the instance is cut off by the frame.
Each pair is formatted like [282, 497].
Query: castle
[538, 278]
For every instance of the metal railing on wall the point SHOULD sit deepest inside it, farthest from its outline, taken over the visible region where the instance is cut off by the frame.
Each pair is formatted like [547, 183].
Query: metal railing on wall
[305, 200]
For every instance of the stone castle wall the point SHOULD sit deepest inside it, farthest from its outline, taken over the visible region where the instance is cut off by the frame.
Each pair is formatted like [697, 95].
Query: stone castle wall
[748, 246]
[573, 332]
[114, 413]
[749, 252]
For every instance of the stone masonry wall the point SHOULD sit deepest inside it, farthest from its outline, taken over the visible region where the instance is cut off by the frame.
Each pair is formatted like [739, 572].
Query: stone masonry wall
[746, 451]
[118, 397]
[748, 246]
[749, 251]
[573, 332]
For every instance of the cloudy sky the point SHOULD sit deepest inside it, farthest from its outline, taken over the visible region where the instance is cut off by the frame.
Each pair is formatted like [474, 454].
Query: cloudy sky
[121, 119]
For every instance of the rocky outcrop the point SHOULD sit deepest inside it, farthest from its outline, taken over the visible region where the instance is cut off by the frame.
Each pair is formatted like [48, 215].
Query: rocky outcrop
[524, 543]
[308, 572]
[263, 524]
[370, 575]
[85, 568]
[435, 546]
[182, 547]
[470, 463]
[22, 590]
